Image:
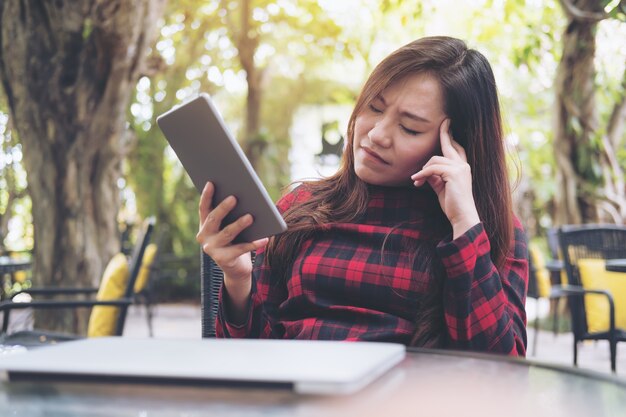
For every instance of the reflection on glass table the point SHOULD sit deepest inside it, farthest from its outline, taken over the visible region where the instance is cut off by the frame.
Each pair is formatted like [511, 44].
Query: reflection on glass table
[428, 383]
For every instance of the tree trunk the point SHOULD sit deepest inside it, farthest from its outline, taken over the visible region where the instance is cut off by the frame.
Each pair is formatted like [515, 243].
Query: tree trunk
[247, 44]
[68, 68]
[612, 204]
[576, 118]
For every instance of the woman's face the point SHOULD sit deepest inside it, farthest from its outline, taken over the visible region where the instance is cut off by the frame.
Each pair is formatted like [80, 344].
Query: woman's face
[398, 132]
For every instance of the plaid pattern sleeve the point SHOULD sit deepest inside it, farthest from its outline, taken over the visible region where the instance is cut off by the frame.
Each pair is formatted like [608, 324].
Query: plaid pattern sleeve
[484, 307]
[262, 311]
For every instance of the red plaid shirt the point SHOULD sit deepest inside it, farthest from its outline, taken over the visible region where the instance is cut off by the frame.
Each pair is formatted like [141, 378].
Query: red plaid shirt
[340, 290]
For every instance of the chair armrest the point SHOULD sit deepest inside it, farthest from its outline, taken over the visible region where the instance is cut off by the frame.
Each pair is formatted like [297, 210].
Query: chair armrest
[554, 265]
[578, 290]
[571, 290]
[56, 291]
[55, 304]
[556, 291]
[7, 306]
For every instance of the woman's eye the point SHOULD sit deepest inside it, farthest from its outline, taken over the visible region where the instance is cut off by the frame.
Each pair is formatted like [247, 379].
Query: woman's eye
[409, 131]
[374, 109]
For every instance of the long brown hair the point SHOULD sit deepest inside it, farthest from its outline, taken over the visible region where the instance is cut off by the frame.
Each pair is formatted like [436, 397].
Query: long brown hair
[471, 102]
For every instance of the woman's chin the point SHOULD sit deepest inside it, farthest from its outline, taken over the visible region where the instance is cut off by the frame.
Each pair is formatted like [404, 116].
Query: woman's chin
[373, 178]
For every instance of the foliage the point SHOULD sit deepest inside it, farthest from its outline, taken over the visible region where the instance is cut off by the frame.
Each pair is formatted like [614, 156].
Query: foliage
[198, 51]
[14, 200]
[319, 52]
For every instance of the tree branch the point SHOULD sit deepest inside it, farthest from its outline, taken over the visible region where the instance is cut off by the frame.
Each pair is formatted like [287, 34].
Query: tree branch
[579, 14]
[617, 121]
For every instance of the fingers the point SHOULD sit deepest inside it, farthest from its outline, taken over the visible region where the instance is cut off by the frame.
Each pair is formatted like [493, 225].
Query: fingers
[436, 183]
[211, 220]
[460, 150]
[454, 159]
[215, 217]
[205, 202]
[443, 170]
[230, 232]
[449, 147]
[444, 137]
[214, 239]
[225, 255]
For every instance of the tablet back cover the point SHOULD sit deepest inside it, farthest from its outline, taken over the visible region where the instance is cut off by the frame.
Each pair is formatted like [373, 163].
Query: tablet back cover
[207, 150]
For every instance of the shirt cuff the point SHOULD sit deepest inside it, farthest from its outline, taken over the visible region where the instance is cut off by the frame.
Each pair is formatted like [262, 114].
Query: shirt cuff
[459, 255]
[232, 329]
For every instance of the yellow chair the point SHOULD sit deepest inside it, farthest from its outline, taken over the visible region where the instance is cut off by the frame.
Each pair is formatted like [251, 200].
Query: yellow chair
[112, 287]
[541, 278]
[593, 275]
[109, 308]
[143, 294]
[540, 286]
[584, 249]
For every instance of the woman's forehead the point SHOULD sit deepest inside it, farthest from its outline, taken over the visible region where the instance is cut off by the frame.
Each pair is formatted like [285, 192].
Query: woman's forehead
[423, 81]
[421, 90]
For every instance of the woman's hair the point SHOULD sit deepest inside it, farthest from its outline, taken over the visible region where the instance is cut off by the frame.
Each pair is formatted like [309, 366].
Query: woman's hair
[471, 102]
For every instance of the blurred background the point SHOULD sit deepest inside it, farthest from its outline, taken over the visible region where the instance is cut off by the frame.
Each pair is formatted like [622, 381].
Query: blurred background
[82, 162]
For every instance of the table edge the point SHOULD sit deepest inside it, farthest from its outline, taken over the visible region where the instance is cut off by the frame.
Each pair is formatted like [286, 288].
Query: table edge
[520, 361]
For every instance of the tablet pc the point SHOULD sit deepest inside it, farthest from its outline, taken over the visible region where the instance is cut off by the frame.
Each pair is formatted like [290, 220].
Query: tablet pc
[208, 152]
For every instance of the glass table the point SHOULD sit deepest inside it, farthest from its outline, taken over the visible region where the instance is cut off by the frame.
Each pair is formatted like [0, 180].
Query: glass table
[428, 383]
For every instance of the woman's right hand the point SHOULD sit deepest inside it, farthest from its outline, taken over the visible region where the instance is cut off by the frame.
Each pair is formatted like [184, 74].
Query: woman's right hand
[233, 259]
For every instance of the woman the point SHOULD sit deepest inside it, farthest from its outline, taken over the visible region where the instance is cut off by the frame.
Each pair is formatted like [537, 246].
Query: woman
[413, 240]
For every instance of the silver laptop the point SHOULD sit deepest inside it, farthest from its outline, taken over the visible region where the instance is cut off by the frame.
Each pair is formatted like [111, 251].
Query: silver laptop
[307, 367]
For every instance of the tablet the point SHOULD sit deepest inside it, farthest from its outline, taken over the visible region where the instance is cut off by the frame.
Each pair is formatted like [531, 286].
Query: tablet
[208, 152]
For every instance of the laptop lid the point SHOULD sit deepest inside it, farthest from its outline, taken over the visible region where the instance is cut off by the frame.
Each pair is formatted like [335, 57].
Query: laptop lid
[307, 367]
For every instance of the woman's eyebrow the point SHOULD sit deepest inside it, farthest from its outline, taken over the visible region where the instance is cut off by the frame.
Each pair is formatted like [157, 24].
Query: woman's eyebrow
[404, 113]
[414, 116]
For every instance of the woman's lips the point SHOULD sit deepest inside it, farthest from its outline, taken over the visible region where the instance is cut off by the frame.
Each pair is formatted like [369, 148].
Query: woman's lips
[374, 155]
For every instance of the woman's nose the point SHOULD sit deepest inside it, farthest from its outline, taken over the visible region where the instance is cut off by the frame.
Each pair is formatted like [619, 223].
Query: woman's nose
[380, 134]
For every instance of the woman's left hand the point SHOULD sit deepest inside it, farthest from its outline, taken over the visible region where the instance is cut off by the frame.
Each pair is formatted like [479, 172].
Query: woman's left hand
[450, 177]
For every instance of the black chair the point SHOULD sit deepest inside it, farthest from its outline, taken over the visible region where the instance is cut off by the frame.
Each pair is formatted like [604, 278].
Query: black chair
[145, 296]
[211, 281]
[533, 292]
[590, 241]
[535, 267]
[552, 237]
[555, 267]
[34, 338]
[210, 286]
